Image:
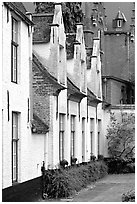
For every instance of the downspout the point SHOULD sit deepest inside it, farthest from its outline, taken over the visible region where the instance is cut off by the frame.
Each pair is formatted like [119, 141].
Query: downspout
[46, 149]
[30, 31]
[128, 55]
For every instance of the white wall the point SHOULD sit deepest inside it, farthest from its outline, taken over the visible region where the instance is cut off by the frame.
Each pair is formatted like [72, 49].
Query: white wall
[31, 146]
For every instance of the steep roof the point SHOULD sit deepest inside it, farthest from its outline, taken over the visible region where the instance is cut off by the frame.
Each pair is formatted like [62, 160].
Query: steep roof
[74, 92]
[39, 126]
[120, 16]
[20, 10]
[45, 80]
[44, 84]
[20, 6]
[42, 28]
[92, 98]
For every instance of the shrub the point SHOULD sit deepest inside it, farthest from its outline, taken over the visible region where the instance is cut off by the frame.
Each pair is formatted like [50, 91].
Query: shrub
[100, 157]
[129, 196]
[73, 161]
[63, 163]
[92, 158]
[119, 165]
[64, 182]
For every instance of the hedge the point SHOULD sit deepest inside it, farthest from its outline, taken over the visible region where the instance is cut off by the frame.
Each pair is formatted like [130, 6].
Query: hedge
[119, 165]
[129, 196]
[61, 183]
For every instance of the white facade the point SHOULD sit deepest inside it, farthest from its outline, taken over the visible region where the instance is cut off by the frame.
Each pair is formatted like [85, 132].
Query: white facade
[30, 151]
[32, 148]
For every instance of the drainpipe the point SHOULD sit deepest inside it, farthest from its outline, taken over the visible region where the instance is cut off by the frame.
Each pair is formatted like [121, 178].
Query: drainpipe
[128, 54]
[30, 30]
[105, 88]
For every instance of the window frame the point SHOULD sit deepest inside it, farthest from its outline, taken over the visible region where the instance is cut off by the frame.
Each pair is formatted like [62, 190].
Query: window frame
[61, 136]
[91, 134]
[73, 130]
[119, 23]
[83, 138]
[14, 55]
[15, 141]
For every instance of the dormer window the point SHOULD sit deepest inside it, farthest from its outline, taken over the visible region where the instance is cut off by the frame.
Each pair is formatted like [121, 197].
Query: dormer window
[119, 23]
[120, 20]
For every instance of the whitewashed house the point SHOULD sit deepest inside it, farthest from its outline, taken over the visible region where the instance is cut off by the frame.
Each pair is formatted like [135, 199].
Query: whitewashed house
[16, 97]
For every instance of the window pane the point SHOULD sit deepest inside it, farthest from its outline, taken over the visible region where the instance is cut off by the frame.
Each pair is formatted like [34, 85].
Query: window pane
[15, 31]
[14, 63]
[14, 162]
[15, 126]
[14, 174]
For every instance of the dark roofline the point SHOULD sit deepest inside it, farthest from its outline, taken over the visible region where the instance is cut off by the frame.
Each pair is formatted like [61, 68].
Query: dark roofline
[19, 13]
[44, 71]
[43, 14]
[115, 32]
[92, 97]
[35, 125]
[117, 79]
[74, 91]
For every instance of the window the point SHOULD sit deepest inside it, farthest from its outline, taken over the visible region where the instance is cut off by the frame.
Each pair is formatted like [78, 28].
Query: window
[14, 51]
[15, 138]
[61, 136]
[83, 139]
[73, 136]
[99, 136]
[119, 23]
[91, 134]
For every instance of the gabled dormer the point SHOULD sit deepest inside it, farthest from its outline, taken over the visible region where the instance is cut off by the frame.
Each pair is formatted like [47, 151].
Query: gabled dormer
[49, 42]
[76, 57]
[119, 21]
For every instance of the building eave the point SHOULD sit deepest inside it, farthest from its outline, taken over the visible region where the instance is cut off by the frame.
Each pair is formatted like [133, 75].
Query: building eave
[38, 126]
[92, 98]
[12, 7]
[58, 87]
[117, 79]
[74, 92]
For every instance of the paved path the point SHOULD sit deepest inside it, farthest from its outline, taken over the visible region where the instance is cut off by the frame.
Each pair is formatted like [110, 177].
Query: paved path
[108, 189]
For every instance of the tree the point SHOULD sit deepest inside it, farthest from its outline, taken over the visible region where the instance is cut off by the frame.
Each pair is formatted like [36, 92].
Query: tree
[72, 13]
[121, 136]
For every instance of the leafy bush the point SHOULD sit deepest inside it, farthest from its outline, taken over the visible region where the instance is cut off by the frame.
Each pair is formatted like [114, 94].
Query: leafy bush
[100, 157]
[65, 182]
[119, 165]
[73, 161]
[63, 163]
[121, 136]
[129, 196]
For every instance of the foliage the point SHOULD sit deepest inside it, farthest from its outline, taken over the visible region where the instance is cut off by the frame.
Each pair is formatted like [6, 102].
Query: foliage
[121, 136]
[100, 157]
[65, 182]
[72, 13]
[63, 163]
[92, 157]
[73, 160]
[129, 196]
[119, 165]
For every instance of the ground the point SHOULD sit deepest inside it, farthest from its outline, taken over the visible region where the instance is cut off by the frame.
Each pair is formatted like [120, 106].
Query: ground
[108, 189]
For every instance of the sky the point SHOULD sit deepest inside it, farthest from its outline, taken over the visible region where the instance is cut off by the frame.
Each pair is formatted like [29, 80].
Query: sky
[29, 6]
